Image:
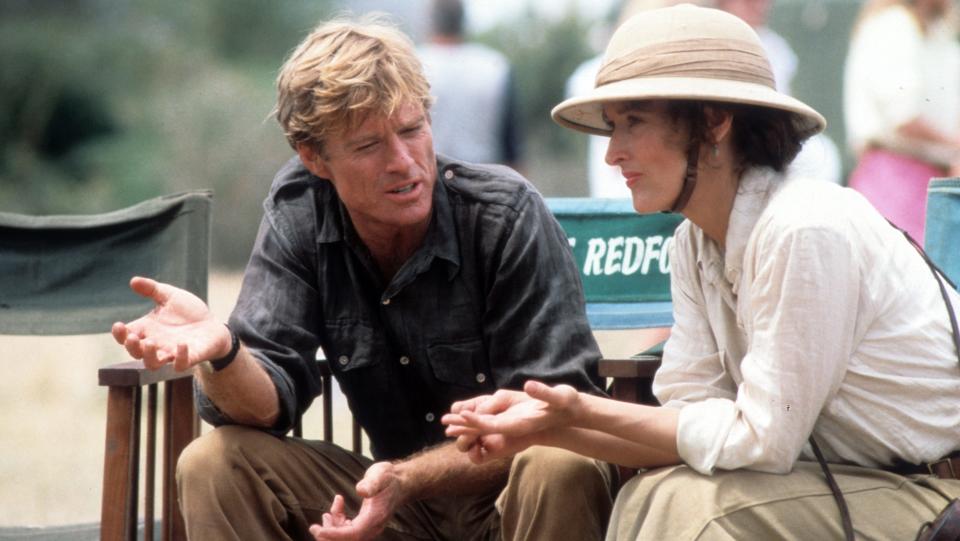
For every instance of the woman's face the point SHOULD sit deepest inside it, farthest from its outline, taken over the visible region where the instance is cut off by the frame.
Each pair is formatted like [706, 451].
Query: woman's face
[650, 148]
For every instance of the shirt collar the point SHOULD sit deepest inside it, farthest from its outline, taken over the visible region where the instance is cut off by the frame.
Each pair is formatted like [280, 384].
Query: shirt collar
[440, 241]
[441, 238]
[753, 194]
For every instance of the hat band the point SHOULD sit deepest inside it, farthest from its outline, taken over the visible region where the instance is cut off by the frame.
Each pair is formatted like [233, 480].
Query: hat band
[704, 58]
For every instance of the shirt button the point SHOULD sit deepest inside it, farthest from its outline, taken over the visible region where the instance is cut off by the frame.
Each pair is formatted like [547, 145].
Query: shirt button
[343, 360]
[386, 302]
[448, 174]
[404, 360]
[430, 417]
[481, 377]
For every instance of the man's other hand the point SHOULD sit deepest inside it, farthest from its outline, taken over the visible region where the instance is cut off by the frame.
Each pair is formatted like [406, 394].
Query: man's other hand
[381, 493]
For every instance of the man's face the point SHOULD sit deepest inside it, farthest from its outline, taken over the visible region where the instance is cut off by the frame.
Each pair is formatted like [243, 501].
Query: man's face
[383, 170]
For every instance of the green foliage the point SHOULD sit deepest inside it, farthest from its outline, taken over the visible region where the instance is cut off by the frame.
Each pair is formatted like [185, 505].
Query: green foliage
[103, 104]
[544, 53]
[817, 31]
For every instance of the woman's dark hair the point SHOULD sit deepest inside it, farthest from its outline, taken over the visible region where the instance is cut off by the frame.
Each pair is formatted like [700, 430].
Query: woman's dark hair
[761, 136]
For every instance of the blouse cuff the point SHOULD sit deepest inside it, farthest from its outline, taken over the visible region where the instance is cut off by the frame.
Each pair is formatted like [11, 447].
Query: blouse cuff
[702, 429]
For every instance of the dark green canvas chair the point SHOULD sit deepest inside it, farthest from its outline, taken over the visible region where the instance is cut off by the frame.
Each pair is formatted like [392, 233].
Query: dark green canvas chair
[69, 275]
[623, 260]
[624, 263]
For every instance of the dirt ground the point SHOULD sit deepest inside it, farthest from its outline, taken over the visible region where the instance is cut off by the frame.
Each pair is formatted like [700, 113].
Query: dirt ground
[52, 416]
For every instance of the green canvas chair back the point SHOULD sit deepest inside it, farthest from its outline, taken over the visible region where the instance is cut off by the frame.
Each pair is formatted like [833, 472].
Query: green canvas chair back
[942, 232]
[69, 274]
[623, 259]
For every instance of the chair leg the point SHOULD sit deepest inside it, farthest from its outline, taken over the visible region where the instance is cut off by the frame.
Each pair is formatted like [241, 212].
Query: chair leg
[150, 469]
[181, 426]
[118, 509]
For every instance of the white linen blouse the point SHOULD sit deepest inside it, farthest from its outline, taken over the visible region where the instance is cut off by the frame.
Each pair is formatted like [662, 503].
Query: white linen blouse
[819, 317]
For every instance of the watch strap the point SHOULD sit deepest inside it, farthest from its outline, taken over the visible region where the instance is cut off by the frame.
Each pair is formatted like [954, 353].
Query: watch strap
[223, 362]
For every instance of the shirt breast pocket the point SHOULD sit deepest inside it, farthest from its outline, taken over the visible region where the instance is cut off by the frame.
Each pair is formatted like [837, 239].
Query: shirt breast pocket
[462, 363]
[353, 345]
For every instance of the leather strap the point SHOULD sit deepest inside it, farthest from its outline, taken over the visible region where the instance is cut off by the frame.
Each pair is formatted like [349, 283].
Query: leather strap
[693, 163]
[835, 489]
[947, 467]
[939, 276]
[689, 179]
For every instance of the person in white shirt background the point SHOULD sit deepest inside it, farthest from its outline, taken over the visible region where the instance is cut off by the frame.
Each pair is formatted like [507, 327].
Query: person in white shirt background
[799, 313]
[819, 157]
[604, 180]
[902, 104]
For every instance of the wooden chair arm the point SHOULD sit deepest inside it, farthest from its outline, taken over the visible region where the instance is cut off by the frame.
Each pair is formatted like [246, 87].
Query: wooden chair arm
[134, 374]
[632, 377]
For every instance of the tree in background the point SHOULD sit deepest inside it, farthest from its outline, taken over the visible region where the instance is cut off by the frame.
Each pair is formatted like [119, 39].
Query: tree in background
[103, 104]
[544, 53]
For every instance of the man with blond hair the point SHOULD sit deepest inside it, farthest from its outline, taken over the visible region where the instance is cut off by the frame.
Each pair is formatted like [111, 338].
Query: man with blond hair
[424, 281]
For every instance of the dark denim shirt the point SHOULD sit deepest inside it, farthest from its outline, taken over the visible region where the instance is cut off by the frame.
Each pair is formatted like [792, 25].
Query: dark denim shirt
[492, 298]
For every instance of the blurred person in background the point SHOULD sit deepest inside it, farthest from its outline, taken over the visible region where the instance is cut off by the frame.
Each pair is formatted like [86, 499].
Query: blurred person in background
[807, 328]
[819, 158]
[902, 104]
[475, 116]
[603, 179]
[424, 280]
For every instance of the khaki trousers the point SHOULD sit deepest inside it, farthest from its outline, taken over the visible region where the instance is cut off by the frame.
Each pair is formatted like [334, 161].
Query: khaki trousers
[241, 483]
[677, 503]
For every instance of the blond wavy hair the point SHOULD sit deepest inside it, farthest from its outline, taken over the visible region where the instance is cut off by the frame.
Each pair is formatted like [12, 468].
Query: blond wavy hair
[344, 71]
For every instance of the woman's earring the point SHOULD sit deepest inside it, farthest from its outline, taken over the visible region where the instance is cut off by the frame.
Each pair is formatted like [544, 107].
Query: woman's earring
[716, 150]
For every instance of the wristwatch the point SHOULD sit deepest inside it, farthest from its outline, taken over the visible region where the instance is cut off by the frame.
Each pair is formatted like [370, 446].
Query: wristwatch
[216, 365]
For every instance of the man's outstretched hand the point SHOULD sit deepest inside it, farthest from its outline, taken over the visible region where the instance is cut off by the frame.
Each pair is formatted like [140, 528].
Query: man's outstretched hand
[180, 328]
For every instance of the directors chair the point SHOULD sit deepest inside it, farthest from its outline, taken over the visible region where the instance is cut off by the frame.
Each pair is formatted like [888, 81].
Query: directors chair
[69, 274]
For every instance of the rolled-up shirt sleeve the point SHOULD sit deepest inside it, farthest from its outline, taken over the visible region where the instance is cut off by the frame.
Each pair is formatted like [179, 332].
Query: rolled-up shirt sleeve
[799, 318]
[276, 317]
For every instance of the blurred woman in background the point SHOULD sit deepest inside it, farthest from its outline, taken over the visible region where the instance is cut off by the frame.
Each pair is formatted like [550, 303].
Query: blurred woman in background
[902, 104]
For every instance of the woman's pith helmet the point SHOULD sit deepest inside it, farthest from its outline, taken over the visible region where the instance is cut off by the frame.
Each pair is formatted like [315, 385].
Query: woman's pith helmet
[683, 52]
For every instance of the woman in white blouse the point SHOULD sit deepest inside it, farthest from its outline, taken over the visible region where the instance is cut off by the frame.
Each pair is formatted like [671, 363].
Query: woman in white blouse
[799, 310]
[902, 104]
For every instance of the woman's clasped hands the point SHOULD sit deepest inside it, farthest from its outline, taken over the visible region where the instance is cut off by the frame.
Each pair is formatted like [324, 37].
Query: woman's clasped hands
[494, 426]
